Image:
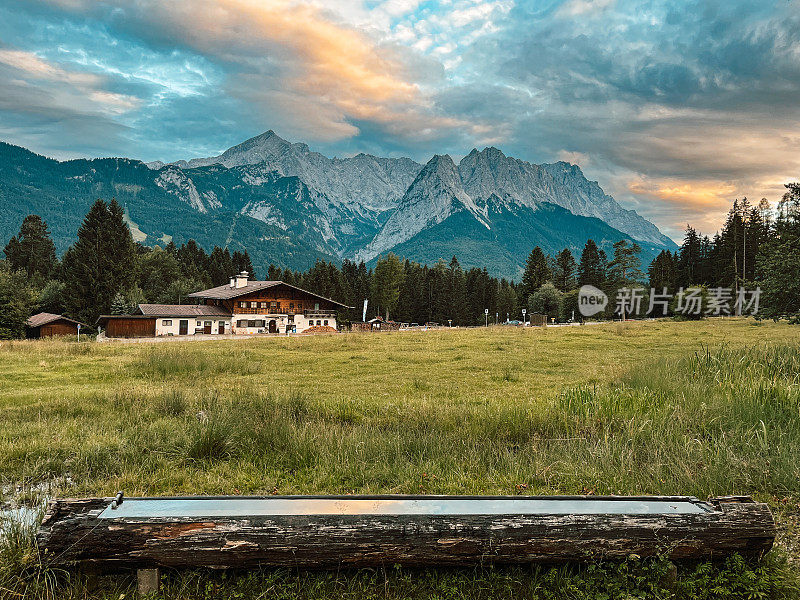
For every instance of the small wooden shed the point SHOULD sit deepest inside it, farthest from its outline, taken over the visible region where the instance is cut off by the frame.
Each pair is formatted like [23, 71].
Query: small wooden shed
[48, 325]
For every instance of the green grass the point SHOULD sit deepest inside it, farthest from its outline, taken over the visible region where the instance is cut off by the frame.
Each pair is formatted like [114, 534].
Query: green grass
[698, 408]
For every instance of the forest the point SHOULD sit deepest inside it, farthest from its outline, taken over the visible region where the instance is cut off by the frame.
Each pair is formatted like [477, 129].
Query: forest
[106, 272]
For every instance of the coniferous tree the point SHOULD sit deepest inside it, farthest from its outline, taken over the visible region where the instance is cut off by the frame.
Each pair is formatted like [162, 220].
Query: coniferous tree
[662, 272]
[32, 250]
[193, 261]
[17, 297]
[387, 279]
[564, 271]
[624, 270]
[690, 268]
[241, 262]
[457, 293]
[778, 264]
[100, 264]
[439, 307]
[592, 267]
[220, 266]
[537, 273]
[119, 305]
[506, 300]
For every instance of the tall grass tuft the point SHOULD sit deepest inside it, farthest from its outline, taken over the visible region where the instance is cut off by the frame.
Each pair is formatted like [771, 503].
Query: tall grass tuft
[209, 441]
[23, 570]
[172, 403]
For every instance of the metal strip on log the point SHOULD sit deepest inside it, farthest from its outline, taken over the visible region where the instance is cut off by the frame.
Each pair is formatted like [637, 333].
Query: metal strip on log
[334, 531]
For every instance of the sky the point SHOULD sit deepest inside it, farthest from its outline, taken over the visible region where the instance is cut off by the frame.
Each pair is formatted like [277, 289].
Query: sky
[676, 107]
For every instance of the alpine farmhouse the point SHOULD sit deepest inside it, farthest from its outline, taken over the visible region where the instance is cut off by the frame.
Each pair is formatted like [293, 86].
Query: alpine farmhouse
[241, 307]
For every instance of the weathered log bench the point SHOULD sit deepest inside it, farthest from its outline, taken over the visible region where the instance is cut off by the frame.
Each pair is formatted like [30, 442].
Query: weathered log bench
[333, 531]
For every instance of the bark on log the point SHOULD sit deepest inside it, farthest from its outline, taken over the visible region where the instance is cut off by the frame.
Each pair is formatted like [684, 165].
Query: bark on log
[72, 533]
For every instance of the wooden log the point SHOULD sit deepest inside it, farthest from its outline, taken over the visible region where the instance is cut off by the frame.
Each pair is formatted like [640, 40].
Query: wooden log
[74, 533]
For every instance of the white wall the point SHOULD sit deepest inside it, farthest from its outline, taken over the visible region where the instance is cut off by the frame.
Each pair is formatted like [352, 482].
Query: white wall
[282, 321]
[163, 328]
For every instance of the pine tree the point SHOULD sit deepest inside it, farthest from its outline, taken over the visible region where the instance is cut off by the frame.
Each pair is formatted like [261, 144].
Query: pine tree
[778, 263]
[119, 305]
[690, 267]
[387, 279]
[100, 264]
[564, 272]
[32, 250]
[592, 267]
[17, 299]
[457, 292]
[624, 270]
[536, 273]
[220, 266]
[241, 262]
[662, 272]
[193, 261]
[506, 300]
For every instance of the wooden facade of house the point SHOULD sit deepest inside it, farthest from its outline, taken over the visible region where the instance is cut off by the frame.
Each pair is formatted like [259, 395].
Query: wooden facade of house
[50, 325]
[243, 307]
[128, 326]
[270, 306]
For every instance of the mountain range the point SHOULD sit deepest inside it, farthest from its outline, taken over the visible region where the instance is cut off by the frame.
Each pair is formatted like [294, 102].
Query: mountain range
[291, 206]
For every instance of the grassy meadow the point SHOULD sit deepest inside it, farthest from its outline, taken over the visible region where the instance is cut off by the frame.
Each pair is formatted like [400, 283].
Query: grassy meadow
[698, 408]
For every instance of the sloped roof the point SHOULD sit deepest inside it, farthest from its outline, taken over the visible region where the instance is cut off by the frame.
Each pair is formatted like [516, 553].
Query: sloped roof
[183, 310]
[44, 318]
[226, 292]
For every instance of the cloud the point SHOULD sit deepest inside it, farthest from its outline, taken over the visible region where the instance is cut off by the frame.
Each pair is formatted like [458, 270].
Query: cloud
[674, 106]
[41, 102]
[679, 201]
[576, 8]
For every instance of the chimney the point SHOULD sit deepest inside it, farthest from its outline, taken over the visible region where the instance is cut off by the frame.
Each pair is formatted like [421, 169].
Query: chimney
[241, 279]
[233, 282]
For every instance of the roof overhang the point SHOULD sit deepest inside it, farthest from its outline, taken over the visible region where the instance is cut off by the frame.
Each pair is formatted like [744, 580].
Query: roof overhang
[243, 291]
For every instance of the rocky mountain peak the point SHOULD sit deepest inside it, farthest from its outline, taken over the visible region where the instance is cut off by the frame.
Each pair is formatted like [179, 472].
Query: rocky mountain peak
[440, 166]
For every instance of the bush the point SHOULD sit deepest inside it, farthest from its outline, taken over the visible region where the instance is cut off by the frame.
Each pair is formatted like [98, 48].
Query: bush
[546, 300]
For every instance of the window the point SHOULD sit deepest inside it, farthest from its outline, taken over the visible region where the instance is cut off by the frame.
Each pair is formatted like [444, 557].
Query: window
[242, 304]
[291, 306]
[263, 304]
[199, 324]
[167, 322]
[290, 318]
[319, 322]
[273, 306]
[325, 322]
[241, 323]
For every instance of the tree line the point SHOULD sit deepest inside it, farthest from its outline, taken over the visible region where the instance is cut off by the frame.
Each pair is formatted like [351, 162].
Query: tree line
[106, 271]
